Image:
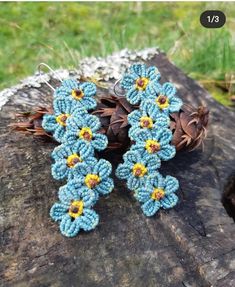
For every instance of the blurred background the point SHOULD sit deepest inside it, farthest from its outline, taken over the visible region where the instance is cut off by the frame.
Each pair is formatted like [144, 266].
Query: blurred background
[60, 34]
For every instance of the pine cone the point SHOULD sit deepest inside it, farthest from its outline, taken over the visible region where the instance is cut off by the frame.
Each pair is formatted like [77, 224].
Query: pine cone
[188, 125]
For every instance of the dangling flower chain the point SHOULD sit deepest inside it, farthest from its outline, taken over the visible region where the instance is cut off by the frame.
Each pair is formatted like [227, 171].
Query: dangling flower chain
[87, 177]
[151, 136]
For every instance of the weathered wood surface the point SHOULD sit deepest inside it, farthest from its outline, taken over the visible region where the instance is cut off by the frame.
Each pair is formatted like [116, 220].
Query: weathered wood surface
[191, 245]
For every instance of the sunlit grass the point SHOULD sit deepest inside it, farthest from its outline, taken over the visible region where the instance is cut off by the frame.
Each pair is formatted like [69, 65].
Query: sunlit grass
[62, 33]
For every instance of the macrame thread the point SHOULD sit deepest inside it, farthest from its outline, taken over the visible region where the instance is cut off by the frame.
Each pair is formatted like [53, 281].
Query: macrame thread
[151, 138]
[74, 160]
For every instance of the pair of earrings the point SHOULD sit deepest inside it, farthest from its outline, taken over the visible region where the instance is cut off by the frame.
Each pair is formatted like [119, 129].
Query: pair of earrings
[78, 133]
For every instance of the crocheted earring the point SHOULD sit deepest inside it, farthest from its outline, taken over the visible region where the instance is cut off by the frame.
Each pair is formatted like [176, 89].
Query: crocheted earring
[74, 160]
[151, 138]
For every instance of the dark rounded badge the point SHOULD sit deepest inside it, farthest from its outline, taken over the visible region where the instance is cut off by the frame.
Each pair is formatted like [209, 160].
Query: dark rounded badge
[212, 19]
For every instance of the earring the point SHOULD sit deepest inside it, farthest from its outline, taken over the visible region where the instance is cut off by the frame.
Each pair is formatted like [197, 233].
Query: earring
[74, 160]
[151, 138]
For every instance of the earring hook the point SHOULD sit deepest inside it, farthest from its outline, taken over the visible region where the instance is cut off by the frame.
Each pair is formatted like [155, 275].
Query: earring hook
[39, 68]
[115, 88]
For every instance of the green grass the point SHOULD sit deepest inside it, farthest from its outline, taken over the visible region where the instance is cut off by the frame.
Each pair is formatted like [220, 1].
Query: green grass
[62, 33]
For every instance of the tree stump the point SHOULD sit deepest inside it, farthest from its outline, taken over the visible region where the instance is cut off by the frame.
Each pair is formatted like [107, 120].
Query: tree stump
[190, 245]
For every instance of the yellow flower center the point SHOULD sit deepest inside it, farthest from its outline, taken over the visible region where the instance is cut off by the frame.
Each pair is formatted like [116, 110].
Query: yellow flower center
[139, 170]
[77, 94]
[73, 159]
[152, 146]
[61, 119]
[158, 194]
[141, 83]
[146, 122]
[76, 208]
[86, 134]
[91, 180]
[162, 101]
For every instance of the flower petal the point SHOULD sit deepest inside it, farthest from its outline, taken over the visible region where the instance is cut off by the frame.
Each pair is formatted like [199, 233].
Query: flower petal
[89, 220]
[131, 157]
[71, 138]
[69, 227]
[156, 180]
[60, 152]
[154, 90]
[92, 122]
[103, 168]
[83, 169]
[143, 135]
[175, 104]
[81, 147]
[70, 84]
[105, 187]
[89, 196]
[139, 70]
[142, 194]
[168, 89]
[100, 142]
[133, 182]
[167, 152]
[134, 117]
[88, 88]
[153, 163]
[128, 81]
[49, 123]
[61, 106]
[133, 96]
[123, 171]
[171, 184]
[57, 211]
[150, 207]
[139, 147]
[68, 193]
[88, 103]
[153, 73]
[165, 136]
[59, 170]
[59, 134]
[169, 201]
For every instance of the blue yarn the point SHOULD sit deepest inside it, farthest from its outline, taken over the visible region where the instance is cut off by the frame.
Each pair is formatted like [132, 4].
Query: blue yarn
[128, 83]
[60, 168]
[125, 170]
[168, 184]
[162, 136]
[87, 177]
[88, 89]
[169, 91]
[77, 123]
[61, 107]
[152, 138]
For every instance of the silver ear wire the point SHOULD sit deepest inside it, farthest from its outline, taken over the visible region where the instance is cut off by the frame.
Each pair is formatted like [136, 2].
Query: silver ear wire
[39, 68]
[115, 89]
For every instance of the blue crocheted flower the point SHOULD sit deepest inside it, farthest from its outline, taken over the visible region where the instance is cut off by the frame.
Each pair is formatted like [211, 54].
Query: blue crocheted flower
[56, 123]
[156, 142]
[80, 94]
[164, 98]
[157, 192]
[137, 168]
[148, 117]
[69, 158]
[138, 82]
[95, 176]
[84, 129]
[74, 211]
